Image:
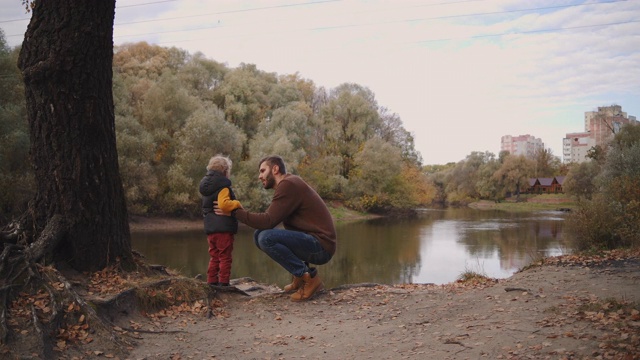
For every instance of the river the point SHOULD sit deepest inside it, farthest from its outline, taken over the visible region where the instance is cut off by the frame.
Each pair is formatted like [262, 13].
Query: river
[435, 247]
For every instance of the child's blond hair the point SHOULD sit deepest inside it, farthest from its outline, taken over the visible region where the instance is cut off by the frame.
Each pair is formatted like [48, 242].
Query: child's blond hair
[220, 163]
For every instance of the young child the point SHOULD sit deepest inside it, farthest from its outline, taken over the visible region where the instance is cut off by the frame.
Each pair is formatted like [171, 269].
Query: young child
[220, 230]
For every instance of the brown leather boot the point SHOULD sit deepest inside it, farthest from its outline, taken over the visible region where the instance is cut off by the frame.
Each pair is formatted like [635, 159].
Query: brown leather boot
[295, 284]
[310, 285]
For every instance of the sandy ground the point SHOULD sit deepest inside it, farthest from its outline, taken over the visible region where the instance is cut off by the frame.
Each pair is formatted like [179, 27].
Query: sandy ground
[565, 309]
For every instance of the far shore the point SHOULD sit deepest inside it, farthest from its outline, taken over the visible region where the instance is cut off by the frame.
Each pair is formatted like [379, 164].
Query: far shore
[528, 203]
[138, 223]
[142, 223]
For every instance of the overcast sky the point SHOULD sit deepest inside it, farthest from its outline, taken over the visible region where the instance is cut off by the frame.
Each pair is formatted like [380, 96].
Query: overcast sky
[459, 73]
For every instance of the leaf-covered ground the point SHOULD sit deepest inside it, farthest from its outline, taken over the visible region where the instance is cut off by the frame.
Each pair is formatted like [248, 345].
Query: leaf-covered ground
[569, 307]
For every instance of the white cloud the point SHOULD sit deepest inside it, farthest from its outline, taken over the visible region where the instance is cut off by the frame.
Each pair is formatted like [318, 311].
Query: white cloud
[459, 74]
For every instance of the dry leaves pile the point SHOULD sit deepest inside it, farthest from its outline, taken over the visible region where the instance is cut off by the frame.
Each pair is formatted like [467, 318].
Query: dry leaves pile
[620, 318]
[73, 329]
[160, 298]
[599, 259]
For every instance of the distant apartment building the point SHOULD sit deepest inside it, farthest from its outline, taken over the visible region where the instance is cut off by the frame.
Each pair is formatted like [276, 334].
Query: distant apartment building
[526, 145]
[600, 127]
[575, 147]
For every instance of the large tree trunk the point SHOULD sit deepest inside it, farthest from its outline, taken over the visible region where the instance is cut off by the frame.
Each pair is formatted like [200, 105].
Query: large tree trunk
[66, 60]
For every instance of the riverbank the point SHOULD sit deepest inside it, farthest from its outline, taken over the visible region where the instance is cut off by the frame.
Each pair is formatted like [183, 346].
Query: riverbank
[565, 308]
[528, 203]
[568, 307]
[158, 223]
[341, 213]
[162, 223]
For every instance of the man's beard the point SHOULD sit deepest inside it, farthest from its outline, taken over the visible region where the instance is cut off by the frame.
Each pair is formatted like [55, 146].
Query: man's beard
[270, 181]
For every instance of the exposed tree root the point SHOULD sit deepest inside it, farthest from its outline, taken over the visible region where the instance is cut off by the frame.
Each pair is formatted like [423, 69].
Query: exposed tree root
[52, 311]
[4, 330]
[40, 313]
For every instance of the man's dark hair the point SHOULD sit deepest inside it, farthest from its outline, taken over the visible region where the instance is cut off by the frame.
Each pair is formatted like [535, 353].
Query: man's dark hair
[274, 160]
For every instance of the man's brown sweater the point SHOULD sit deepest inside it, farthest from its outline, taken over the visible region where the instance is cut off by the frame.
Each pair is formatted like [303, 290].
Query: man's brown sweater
[298, 207]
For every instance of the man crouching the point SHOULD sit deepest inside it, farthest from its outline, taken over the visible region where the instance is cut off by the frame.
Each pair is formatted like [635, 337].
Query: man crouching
[309, 235]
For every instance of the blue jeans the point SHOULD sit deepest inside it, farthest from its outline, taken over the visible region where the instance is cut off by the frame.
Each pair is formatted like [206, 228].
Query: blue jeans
[293, 250]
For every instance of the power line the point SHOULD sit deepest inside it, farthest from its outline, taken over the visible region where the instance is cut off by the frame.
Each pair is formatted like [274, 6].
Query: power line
[353, 25]
[144, 4]
[199, 15]
[119, 7]
[385, 22]
[469, 15]
[527, 32]
[232, 11]
[524, 32]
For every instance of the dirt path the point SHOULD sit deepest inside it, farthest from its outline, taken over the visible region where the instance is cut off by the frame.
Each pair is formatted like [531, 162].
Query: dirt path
[566, 310]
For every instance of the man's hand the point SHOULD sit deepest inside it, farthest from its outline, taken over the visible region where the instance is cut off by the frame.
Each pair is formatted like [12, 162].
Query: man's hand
[219, 211]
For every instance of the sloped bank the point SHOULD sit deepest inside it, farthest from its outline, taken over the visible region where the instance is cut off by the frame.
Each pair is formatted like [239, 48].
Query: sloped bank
[566, 307]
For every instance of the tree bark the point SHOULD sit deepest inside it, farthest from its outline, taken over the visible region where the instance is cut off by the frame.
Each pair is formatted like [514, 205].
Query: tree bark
[66, 60]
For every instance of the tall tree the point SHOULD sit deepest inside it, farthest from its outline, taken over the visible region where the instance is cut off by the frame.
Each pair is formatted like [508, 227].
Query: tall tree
[514, 173]
[351, 118]
[547, 165]
[580, 180]
[464, 179]
[79, 213]
[244, 97]
[392, 131]
[375, 175]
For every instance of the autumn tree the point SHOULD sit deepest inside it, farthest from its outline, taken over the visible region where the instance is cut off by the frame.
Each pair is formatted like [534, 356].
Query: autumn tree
[201, 76]
[580, 180]
[610, 217]
[350, 118]
[547, 164]
[463, 180]
[392, 131]
[375, 173]
[78, 216]
[382, 181]
[619, 182]
[514, 173]
[243, 96]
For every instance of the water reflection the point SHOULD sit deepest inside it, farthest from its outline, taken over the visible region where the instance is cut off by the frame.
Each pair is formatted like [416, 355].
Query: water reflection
[436, 247]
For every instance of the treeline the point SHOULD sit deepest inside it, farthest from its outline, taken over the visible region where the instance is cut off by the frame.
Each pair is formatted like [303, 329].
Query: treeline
[607, 190]
[174, 110]
[483, 175]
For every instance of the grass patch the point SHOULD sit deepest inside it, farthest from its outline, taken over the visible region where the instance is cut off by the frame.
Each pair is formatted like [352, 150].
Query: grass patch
[535, 260]
[610, 305]
[474, 275]
[528, 202]
[471, 276]
[534, 264]
[155, 297]
[341, 213]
